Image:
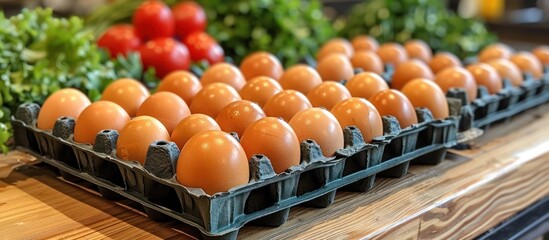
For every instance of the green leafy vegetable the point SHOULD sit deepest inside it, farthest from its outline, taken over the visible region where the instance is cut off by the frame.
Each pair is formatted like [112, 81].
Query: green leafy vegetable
[40, 54]
[290, 29]
[428, 20]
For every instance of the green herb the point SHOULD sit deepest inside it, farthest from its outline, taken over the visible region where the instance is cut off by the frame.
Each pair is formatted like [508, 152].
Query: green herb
[40, 54]
[290, 29]
[428, 20]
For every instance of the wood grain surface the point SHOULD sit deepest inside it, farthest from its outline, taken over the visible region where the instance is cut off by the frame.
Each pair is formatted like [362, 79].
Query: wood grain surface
[468, 193]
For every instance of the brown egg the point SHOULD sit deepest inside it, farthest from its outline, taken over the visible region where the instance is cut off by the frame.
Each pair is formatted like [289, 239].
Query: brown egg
[336, 45]
[418, 49]
[542, 53]
[457, 77]
[495, 51]
[136, 136]
[365, 85]
[487, 76]
[528, 63]
[394, 103]
[100, 115]
[212, 98]
[213, 161]
[507, 70]
[275, 139]
[184, 84]
[360, 113]
[223, 73]
[335, 67]
[368, 61]
[409, 70]
[126, 92]
[321, 126]
[286, 104]
[238, 115]
[67, 102]
[261, 64]
[364, 42]
[392, 53]
[167, 107]
[260, 89]
[190, 126]
[301, 78]
[443, 60]
[425, 93]
[328, 94]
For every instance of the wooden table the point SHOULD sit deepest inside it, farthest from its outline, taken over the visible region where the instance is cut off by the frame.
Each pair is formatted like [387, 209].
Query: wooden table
[471, 191]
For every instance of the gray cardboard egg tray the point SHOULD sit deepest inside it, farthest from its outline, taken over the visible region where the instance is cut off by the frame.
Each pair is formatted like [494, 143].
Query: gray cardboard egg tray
[487, 109]
[266, 200]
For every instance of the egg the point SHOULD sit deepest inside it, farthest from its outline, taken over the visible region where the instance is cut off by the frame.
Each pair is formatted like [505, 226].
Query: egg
[367, 61]
[261, 64]
[425, 93]
[223, 73]
[167, 107]
[418, 49]
[443, 60]
[301, 78]
[392, 54]
[238, 115]
[365, 85]
[364, 42]
[337, 45]
[409, 70]
[136, 136]
[457, 77]
[100, 115]
[542, 53]
[507, 70]
[321, 126]
[126, 92]
[66, 102]
[328, 94]
[360, 113]
[184, 84]
[275, 139]
[286, 104]
[260, 89]
[335, 67]
[190, 126]
[394, 103]
[213, 161]
[212, 98]
[495, 51]
[528, 63]
[487, 76]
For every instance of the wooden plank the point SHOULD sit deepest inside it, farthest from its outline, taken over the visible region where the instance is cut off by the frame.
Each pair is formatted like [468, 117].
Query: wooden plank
[461, 197]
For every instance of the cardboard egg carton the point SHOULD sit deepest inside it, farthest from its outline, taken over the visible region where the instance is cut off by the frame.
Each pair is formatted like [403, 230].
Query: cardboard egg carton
[268, 197]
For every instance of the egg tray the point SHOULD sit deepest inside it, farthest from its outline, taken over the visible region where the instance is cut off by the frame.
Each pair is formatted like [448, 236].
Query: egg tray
[488, 109]
[266, 200]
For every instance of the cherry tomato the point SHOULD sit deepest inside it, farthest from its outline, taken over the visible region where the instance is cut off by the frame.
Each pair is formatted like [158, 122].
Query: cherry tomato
[165, 55]
[119, 39]
[204, 47]
[189, 17]
[153, 19]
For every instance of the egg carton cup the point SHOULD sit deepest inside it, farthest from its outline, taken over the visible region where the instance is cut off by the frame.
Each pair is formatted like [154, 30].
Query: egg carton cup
[267, 198]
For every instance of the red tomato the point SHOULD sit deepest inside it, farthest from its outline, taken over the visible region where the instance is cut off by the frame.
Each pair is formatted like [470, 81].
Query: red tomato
[203, 46]
[153, 19]
[189, 17]
[119, 39]
[165, 55]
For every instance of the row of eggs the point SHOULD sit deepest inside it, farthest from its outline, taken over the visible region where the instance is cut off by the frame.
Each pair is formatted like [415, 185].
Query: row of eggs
[216, 107]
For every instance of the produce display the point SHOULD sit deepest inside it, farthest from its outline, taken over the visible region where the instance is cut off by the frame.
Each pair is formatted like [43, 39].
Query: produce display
[240, 142]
